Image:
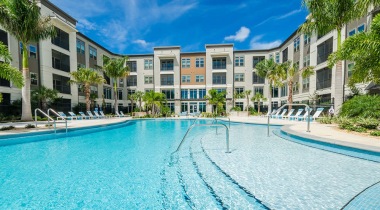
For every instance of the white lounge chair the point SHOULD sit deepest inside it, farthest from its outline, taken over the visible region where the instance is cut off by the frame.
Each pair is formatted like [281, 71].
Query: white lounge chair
[299, 112]
[289, 114]
[183, 114]
[304, 116]
[64, 116]
[97, 115]
[282, 114]
[122, 114]
[117, 114]
[72, 114]
[91, 115]
[316, 114]
[103, 115]
[277, 114]
[84, 116]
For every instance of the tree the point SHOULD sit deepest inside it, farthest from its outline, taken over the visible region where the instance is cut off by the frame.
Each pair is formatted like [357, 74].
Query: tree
[258, 97]
[132, 98]
[116, 69]
[363, 49]
[93, 97]
[328, 15]
[270, 70]
[154, 100]
[7, 72]
[22, 19]
[44, 96]
[140, 96]
[292, 73]
[246, 94]
[217, 99]
[86, 77]
[363, 5]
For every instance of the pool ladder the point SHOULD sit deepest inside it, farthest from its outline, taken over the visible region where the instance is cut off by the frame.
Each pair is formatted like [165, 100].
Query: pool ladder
[49, 118]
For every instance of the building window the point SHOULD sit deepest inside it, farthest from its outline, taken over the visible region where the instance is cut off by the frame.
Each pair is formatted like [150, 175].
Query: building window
[257, 59]
[199, 78]
[349, 69]
[184, 94]
[131, 91]
[284, 90]
[219, 78]
[167, 65]
[171, 106]
[361, 28]
[270, 56]
[239, 61]
[193, 93]
[219, 63]
[121, 82]
[93, 53]
[120, 94]
[148, 80]
[80, 65]
[199, 62]
[324, 50]
[61, 39]
[305, 84]
[258, 90]
[256, 79]
[202, 93]
[239, 90]
[148, 64]
[32, 51]
[107, 93]
[132, 81]
[239, 104]
[132, 65]
[169, 94]
[352, 32]
[324, 78]
[167, 79]
[275, 92]
[277, 57]
[94, 90]
[108, 80]
[33, 78]
[306, 39]
[185, 78]
[184, 107]
[185, 62]
[61, 84]
[285, 55]
[239, 77]
[4, 37]
[297, 44]
[80, 47]
[202, 107]
[60, 61]
[306, 60]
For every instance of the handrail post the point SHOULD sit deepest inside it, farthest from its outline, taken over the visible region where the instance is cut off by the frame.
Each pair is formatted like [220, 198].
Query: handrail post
[228, 140]
[308, 119]
[268, 124]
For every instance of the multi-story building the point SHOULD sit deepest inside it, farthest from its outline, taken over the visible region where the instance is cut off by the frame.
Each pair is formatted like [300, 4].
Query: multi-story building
[185, 78]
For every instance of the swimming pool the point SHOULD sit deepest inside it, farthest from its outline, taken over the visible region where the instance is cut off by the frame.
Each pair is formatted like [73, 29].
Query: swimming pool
[129, 166]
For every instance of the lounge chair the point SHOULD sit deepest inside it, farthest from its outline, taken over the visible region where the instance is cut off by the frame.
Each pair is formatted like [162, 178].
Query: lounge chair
[84, 116]
[183, 114]
[282, 114]
[269, 114]
[316, 114]
[304, 116]
[277, 114]
[289, 114]
[122, 114]
[64, 116]
[91, 115]
[103, 115]
[73, 115]
[98, 115]
[299, 112]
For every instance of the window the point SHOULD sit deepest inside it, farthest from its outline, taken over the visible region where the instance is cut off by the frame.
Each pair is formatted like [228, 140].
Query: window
[168, 93]
[284, 90]
[108, 80]
[32, 51]
[219, 63]
[148, 80]
[277, 57]
[94, 90]
[4, 37]
[219, 78]
[256, 79]
[93, 53]
[202, 93]
[239, 77]
[270, 56]
[202, 106]
[107, 93]
[148, 64]
[193, 93]
[275, 92]
[239, 61]
[305, 84]
[131, 91]
[4, 83]
[171, 106]
[199, 78]
[257, 59]
[185, 62]
[120, 94]
[132, 81]
[60, 61]
[199, 62]
[185, 78]
[121, 82]
[220, 90]
[239, 104]
[324, 50]
[258, 90]
[324, 78]
[352, 32]
[306, 61]
[132, 65]
[80, 65]
[33, 78]
[80, 47]
[306, 39]
[61, 84]
[167, 65]
[361, 28]
[61, 39]
[184, 107]
[285, 55]
[297, 44]
[167, 79]
[239, 90]
[184, 94]
[349, 69]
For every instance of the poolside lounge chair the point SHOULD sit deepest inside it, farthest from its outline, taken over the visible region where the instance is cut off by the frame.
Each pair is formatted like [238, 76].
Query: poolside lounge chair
[84, 116]
[64, 116]
[289, 114]
[304, 116]
[282, 114]
[91, 115]
[103, 115]
[299, 112]
[277, 114]
[72, 114]
[316, 114]
[183, 114]
[122, 114]
[117, 114]
[98, 115]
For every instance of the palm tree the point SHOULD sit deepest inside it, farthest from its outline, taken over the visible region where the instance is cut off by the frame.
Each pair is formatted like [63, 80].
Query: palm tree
[328, 15]
[363, 5]
[258, 97]
[270, 70]
[236, 96]
[7, 72]
[93, 97]
[140, 96]
[154, 100]
[86, 77]
[132, 98]
[293, 72]
[217, 99]
[246, 94]
[22, 19]
[44, 96]
[116, 69]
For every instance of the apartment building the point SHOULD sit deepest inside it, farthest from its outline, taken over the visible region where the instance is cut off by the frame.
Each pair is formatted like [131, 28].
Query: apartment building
[184, 77]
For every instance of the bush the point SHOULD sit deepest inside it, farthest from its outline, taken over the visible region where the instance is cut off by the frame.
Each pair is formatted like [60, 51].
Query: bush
[236, 108]
[325, 120]
[30, 126]
[368, 123]
[366, 106]
[375, 133]
[207, 115]
[6, 128]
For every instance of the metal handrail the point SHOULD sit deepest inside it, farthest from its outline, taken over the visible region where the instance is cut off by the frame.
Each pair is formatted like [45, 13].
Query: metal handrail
[283, 106]
[229, 121]
[46, 115]
[58, 116]
[208, 125]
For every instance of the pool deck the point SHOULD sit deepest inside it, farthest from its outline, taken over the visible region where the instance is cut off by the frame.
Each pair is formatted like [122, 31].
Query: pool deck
[321, 132]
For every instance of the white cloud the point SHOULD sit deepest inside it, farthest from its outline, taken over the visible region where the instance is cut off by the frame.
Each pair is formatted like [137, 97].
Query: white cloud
[240, 35]
[143, 44]
[256, 44]
[289, 14]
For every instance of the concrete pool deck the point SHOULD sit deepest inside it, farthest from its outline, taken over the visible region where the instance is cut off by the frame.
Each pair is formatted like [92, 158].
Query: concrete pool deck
[321, 132]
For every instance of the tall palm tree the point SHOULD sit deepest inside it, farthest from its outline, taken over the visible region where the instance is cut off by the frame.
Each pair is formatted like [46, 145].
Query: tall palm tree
[258, 97]
[328, 15]
[44, 96]
[132, 98]
[246, 94]
[270, 70]
[140, 96]
[8, 72]
[86, 77]
[363, 5]
[217, 99]
[116, 69]
[154, 100]
[22, 19]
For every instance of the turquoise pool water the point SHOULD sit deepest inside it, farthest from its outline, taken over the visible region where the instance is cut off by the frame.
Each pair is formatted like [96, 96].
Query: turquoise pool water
[130, 166]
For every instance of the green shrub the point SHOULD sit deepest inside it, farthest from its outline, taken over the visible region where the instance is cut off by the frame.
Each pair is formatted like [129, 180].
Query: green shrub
[207, 114]
[359, 129]
[30, 126]
[236, 108]
[367, 106]
[6, 128]
[325, 120]
[368, 123]
[375, 133]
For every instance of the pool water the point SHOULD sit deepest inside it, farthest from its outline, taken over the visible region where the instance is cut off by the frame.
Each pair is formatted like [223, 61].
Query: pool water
[131, 167]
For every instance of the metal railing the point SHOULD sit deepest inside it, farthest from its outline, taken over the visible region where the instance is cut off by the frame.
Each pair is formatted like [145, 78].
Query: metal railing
[206, 125]
[58, 116]
[229, 121]
[46, 115]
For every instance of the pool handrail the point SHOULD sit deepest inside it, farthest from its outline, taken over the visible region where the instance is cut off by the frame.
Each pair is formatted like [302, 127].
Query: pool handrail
[229, 121]
[58, 116]
[46, 115]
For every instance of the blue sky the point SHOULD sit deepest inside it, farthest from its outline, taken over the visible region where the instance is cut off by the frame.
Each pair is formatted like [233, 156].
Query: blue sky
[136, 26]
